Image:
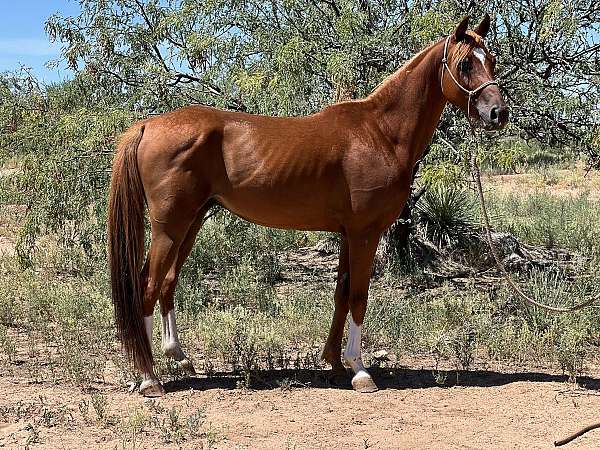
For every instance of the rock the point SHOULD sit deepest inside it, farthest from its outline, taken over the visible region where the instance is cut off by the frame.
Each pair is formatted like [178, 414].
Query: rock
[132, 386]
[381, 355]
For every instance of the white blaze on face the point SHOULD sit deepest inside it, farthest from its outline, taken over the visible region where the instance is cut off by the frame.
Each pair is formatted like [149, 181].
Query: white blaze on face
[353, 349]
[480, 55]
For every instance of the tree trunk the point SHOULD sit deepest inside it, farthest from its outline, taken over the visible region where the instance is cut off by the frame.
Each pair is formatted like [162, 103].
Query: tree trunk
[397, 236]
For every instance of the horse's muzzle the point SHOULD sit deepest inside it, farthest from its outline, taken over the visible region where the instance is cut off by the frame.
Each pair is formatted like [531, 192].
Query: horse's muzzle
[498, 117]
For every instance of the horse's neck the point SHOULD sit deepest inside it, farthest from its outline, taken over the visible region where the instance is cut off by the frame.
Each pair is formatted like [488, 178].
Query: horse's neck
[410, 102]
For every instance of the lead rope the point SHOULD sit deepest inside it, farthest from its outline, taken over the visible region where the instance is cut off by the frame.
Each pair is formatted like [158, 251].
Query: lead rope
[476, 173]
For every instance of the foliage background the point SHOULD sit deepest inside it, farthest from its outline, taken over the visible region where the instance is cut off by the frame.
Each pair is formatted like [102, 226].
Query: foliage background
[132, 58]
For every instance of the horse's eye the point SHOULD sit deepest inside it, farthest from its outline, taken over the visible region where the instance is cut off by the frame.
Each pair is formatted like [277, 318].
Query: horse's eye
[465, 65]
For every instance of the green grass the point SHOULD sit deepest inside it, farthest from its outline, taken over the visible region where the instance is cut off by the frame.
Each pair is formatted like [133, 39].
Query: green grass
[543, 219]
[236, 312]
[61, 328]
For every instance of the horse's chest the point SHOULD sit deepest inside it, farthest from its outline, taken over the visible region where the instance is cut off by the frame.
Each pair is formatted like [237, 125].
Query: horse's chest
[376, 177]
[380, 201]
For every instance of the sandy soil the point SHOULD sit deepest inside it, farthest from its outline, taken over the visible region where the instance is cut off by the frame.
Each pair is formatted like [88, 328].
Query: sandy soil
[487, 409]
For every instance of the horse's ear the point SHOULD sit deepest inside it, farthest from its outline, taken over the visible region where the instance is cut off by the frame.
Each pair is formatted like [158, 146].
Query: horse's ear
[483, 28]
[461, 30]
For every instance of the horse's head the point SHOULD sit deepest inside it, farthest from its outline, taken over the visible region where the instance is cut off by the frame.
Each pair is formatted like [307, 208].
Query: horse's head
[467, 76]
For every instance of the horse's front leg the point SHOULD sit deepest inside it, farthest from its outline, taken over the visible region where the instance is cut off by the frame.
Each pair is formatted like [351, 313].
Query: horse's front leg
[362, 250]
[333, 348]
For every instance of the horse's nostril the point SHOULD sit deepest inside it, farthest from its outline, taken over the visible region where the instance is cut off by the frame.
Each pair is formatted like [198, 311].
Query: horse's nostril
[499, 115]
[494, 114]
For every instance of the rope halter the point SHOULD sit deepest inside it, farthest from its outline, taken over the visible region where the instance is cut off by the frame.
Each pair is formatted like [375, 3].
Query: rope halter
[462, 88]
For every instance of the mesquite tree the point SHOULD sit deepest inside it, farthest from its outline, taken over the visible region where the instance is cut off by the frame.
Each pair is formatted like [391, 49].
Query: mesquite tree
[296, 56]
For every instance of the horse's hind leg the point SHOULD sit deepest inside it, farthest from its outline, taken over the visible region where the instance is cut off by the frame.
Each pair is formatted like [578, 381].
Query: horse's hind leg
[171, 346]
[167, 238]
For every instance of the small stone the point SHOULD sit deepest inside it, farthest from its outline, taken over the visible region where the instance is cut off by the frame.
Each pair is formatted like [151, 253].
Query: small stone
[381, 355]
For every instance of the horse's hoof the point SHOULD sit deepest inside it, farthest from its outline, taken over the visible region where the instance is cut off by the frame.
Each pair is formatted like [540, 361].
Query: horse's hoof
[187, 366]
[363, 383]
[152, 388]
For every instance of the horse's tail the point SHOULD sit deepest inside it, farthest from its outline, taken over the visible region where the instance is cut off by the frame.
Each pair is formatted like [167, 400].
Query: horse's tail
[126, 249]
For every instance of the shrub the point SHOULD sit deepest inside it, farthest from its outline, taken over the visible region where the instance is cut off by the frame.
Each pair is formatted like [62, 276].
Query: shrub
[573, 224]
[243, 339]
[446, 215]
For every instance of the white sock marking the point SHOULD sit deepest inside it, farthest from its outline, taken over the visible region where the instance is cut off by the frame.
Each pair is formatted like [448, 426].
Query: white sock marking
[170, 339]
[353, 349]
[148, 320]
[148, 323]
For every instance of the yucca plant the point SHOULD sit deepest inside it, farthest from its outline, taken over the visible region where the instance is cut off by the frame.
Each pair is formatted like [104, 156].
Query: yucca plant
[446, 216]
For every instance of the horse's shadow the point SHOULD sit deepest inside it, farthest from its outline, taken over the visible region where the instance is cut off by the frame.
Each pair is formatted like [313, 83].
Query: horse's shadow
[385, 378]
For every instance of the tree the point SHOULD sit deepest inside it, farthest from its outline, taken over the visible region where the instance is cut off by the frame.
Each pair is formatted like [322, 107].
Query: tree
[296, 56]
[291, 57]
[63, 136]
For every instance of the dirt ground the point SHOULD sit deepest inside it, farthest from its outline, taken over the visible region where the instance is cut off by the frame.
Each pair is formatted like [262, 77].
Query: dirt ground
[301, 410]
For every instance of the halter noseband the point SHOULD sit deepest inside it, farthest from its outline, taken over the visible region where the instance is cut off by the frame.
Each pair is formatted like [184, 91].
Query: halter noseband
[462, 88]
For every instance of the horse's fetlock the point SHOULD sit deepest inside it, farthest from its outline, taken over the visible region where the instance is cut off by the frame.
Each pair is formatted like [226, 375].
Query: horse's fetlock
[172, 349]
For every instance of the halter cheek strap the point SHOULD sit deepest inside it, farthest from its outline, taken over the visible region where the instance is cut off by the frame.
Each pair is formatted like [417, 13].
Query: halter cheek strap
[462, 88]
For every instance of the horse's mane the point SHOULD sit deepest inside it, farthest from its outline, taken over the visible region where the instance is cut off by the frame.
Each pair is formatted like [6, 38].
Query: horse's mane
[405, 68]
[459, 52]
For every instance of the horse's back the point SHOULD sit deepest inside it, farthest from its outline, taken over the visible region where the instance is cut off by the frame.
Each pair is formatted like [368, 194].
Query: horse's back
[285, 172]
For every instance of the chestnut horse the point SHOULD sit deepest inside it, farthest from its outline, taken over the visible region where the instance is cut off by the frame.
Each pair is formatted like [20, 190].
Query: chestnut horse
[345, 169]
